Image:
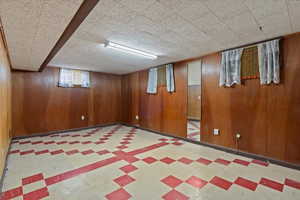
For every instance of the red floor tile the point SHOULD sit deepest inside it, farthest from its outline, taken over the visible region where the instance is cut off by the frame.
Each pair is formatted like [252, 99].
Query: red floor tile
[196, 182]
[222, 161]
[128, 168]
[292, 183]
[74, 142]
[72, 152]
[271, 184]
[124, 180]
[87, 152]
[25, 142]
[37, 142]
[26, 152]
[149, 160]
[185, 160]
[32, 179]
[99, 142]
[177, 143]
[222, 183]
[41, 152]
[246, 183]
[57, 152]
[62, 142]
[102, 152]
[86, 142]
[259, 162]
[204, 161]
[171, 181]
[119, 194]
[167, 160]
[37, 194]
[174, 195]
[14, 151]
[241, 162]
[12, 193]
[163, 139]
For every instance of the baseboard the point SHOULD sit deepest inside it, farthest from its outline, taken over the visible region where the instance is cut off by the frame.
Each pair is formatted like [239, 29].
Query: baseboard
[63, 131]
[4, 168]
[227, 149]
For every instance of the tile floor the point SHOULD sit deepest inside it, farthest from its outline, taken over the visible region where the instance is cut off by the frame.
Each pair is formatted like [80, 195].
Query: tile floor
[120, 163]
[193, 132]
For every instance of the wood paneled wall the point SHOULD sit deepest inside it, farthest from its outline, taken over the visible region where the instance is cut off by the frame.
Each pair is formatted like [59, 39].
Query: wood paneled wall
[5, 103]
[164, 112]
[40, 106]
[267, 117]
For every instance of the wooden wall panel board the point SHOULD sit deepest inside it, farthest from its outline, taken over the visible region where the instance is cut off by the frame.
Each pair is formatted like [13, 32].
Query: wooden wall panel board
[174, 105]
[106, 98]
[40, 106]
[215, 105]
[150, 107]
[5, 103]
[130, 97]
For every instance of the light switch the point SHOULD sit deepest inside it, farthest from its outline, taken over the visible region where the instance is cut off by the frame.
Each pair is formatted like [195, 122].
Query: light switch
[216, 132]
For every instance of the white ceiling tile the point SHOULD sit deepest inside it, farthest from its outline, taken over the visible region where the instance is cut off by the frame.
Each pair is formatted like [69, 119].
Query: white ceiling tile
[261, 9]
[208, 22]
[276, 25]
[157, 12]
[137, 5]
[245, 26]
[193, 11]
[226, 9]
[173, 5]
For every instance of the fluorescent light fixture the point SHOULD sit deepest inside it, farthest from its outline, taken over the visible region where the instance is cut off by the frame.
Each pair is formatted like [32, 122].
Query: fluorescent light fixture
[129, 50]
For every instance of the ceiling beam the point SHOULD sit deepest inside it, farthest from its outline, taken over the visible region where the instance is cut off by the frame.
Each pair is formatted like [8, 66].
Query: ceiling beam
[85, 8]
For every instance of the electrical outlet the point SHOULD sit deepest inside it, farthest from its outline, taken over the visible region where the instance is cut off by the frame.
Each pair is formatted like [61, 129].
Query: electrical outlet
[82, 117]
[216, 132]
[137, 117]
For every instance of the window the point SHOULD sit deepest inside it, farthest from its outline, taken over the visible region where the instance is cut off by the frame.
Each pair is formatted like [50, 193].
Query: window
[161, 76]
[73, 78]
[249, 65]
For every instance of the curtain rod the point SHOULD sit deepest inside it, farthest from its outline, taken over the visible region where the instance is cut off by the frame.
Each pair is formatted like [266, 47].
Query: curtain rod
[252, 44]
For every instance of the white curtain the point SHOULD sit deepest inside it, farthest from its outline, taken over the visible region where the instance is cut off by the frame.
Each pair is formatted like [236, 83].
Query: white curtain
[85, 77]
[152, 81]
[170, 78]
[269, 67]
[65, 78]
[231, 67]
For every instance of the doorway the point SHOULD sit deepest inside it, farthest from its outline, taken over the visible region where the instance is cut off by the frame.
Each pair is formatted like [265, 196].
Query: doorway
[194, 101]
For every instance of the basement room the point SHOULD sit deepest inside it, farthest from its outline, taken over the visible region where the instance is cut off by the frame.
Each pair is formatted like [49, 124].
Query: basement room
[149, 99]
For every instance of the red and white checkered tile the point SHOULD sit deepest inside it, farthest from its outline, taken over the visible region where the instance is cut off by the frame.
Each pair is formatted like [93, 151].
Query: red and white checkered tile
[120, 163]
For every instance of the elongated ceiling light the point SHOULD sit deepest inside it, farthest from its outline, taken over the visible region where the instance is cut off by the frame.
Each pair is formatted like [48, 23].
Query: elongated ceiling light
[129, 50]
